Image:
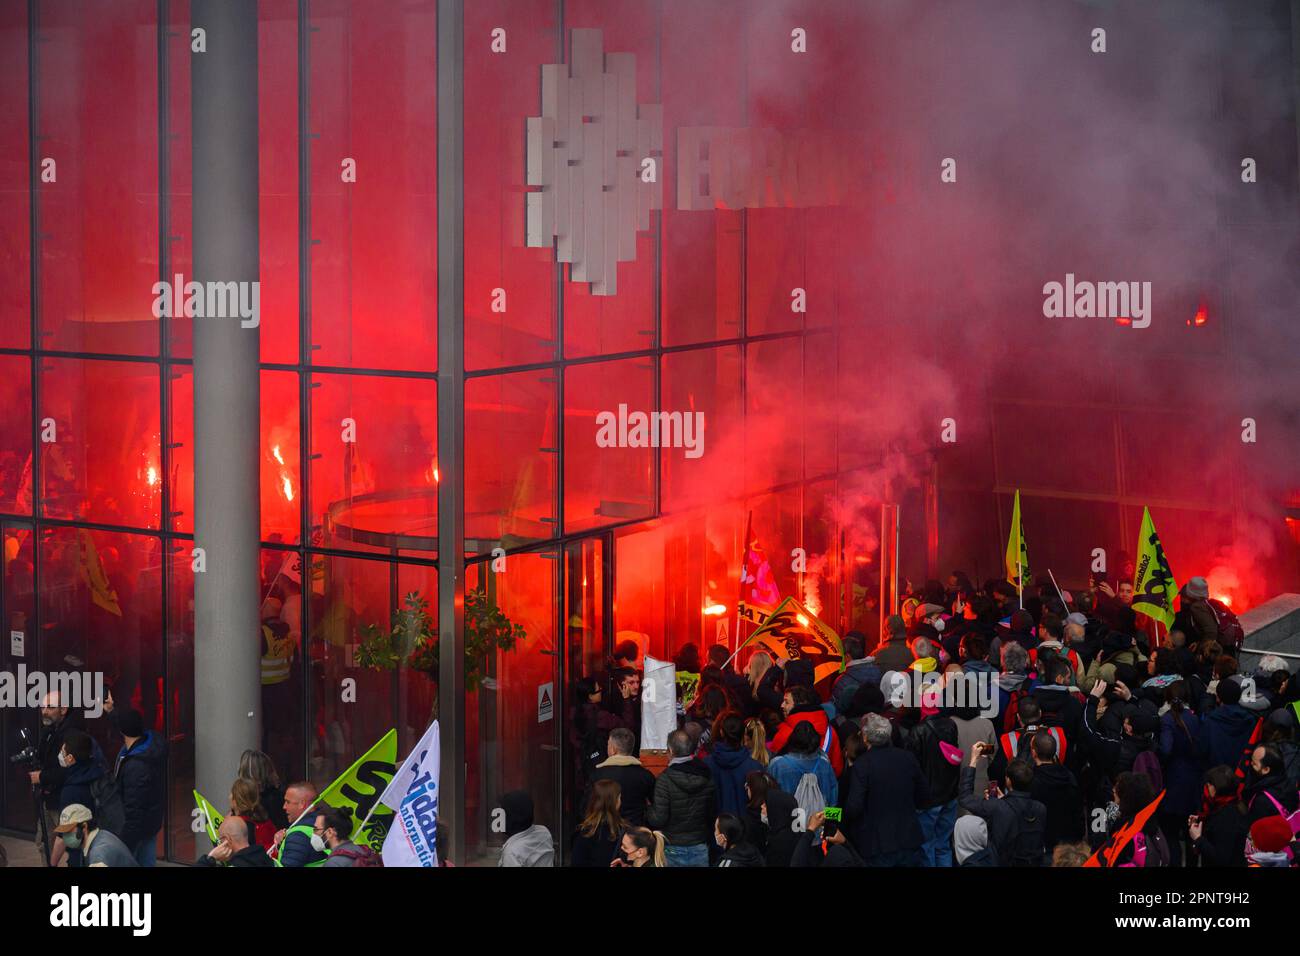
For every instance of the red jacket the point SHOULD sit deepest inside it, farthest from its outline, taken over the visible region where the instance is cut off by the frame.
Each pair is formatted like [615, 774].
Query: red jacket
[821, 723]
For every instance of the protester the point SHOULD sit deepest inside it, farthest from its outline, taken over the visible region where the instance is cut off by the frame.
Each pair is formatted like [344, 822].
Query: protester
[636, 783]
[641, 847]
[331, 834]
[683, 808]
[860, 670]
[89, 844]
[934, 741]
[1055, 787]
[527, 843]
[823, 844]
[259, 768]
[800, 705]
[295, 842]
[1218, 831]
[886, 789]
[139, 778]
[233, 848]
[245, 804]
[1017, 822]
[598, 835]
[893, 654]
[971, 843]
[1225, 729]
[1268, 792]
[730, 762]
[737, 851]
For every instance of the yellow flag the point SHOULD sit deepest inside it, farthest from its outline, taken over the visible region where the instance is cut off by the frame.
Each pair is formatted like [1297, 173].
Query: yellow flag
[1153, 582]
[1017, 553]
[92, 574]
[795, 633]
[208, 813]
[357, 792]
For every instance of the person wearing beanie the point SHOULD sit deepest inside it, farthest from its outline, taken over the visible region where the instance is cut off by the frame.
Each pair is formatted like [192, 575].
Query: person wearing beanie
[527, 843]
[138, 772]
[1195, 617]
[1270, 843]
[893, 653]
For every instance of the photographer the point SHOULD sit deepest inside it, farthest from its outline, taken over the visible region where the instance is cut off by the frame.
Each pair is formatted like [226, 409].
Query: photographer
[49, 779]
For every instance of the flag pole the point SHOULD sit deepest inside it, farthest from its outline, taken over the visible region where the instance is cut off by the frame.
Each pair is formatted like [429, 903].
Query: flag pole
[1058, 589]
[1020, 579]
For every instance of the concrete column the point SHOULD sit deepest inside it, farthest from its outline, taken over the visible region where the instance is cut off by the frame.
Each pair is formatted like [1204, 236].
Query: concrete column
[227, 679]
[451, 420]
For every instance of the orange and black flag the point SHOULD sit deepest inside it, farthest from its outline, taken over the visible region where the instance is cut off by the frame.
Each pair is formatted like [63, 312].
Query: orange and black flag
[795, 633]
[1108, 853]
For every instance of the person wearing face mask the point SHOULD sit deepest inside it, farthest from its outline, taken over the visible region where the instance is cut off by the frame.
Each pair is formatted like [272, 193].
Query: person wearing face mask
[332, 835]
[87, 843]
[641, 846]
[729, 835]
[233, 848]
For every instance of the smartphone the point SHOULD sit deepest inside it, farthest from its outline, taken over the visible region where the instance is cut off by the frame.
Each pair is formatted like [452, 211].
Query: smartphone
[832, 825]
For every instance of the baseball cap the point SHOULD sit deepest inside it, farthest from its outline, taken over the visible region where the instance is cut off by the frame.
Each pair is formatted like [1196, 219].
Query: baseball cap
[73, 815]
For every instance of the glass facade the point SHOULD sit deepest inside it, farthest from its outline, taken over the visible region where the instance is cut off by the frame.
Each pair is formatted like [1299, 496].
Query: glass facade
[733, 300]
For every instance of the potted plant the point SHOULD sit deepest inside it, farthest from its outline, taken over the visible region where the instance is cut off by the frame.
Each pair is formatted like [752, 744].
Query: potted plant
[412, 640]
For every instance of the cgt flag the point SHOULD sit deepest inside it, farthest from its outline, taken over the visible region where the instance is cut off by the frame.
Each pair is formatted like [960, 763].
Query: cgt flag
[412, 794]
[1153, 582]
[357, 792]
[1107, 854]
[1017, 553]
[759, 593]
[793, 632]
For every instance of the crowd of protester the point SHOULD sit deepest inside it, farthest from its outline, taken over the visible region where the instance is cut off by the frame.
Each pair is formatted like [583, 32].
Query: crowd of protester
[1100, 730]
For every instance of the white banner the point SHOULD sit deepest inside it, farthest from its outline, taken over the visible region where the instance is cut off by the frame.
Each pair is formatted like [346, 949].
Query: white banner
[658, 704]
[413, 795]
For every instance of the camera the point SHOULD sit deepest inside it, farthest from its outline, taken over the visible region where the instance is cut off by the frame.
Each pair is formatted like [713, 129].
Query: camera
[27, 756]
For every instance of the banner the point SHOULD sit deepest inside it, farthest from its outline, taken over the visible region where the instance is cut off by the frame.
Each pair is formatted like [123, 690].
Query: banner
[1017, 559]
[211, 818]
[658, 704]
[358, 790]
[412, 794]
[795, 633]
[91, 571]
[1153, 582]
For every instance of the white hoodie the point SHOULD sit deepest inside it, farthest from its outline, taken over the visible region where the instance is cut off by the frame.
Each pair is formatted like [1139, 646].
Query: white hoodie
[531, 847]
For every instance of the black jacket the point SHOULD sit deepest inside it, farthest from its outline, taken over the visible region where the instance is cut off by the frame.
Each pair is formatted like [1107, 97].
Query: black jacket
[596, 850]
[1003, 815]
[48, 745]
[139, 777]
[742, 855]
[250, 856]
[1057, 790]
[1223, 837]
[940, 775]
[637, 783]
[886, 788]
[77, 783]
[683, 804]
[1256, 796]
[781, 836]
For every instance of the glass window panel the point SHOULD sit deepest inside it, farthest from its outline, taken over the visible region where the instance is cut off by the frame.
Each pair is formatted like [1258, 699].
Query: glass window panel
[374, 474]
[510, 742]
[774, 431]
[15, 434]
[603, 483]
[104, 465]
[15, 195]
[98, 246]
[511, 447]
[374, 280]
[500, 92]
[19, 616]
[182, 845]
[277, 171]
[704, 381]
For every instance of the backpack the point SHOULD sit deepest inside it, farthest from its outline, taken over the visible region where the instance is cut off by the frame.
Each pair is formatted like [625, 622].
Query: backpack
[1028, 843]
[1149, 851]
[360, 856]
[1231, 633]
[109, 810]
[808, 795]
[1148, 762]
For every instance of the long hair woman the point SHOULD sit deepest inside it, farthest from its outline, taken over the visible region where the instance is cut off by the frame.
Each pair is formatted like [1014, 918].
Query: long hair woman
[642, 847]
[245, 803]
[756, 740]
[597, 839]
[260, 768]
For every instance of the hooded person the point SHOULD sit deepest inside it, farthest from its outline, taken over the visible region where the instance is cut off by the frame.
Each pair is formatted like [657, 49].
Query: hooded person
[729, 763]
[1196, 617]
[893, 653]
[779, 813]
[1270, 843]
[1118, 649]
[138, 774]
[1227, 728]
[527, 843]
[970, 842]
[1268, 792]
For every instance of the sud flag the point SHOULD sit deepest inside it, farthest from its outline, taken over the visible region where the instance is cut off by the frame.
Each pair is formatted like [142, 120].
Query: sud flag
[1017, 553]
[795, 633]
[412, 794]
[209, 815]
[759, 593]
[357, 792]
[1153, 582]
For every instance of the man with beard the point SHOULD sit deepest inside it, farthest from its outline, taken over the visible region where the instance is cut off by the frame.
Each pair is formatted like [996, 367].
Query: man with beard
[49, 780]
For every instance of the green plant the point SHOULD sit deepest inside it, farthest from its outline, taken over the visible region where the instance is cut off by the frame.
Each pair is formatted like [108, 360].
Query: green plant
[412, 640]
